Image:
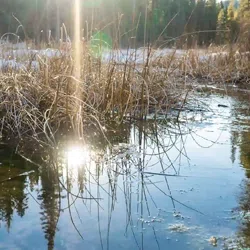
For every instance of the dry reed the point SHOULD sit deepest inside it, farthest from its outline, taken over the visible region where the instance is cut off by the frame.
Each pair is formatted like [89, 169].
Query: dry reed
[43, 100]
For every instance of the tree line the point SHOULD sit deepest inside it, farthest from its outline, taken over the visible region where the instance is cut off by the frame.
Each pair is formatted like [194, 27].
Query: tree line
[166, 22]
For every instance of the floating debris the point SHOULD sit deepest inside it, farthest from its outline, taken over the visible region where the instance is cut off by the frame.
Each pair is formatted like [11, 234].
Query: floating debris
[213, 240]
[179, 228]
[222, 106]
[124, 151]
[178, 215]
[151, 220]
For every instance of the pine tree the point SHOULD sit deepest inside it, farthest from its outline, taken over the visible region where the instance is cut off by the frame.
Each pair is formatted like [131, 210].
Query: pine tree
[200, 21]
[190, 24]
[222, 26]
[174, 17]
[49, 198]
[231, 11]
[232, 23]
[210, 21]
[244, 20]
[244, 10]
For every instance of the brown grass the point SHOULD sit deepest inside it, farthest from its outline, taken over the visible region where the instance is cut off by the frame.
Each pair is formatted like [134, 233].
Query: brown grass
[227, 64]
[43, 101]
[35, 102]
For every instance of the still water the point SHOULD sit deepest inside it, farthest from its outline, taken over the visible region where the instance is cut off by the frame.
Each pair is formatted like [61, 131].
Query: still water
[163, 185]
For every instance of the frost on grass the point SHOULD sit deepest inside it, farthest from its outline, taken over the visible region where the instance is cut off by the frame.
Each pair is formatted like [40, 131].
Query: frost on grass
[20, 57]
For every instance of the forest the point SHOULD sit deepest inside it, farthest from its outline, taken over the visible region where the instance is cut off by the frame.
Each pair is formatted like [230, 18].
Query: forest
[170, 22]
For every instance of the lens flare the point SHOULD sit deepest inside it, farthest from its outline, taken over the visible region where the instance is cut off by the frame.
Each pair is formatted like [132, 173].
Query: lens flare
[100, 43]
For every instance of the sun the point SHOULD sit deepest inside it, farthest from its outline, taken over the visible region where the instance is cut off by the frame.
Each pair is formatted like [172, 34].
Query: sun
[77, 156]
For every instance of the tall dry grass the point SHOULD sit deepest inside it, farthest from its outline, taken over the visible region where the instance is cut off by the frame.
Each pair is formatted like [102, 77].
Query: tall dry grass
[43, 100]
[227, 64]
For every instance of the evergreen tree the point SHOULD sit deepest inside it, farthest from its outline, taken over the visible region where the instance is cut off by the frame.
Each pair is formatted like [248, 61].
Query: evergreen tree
[182, 21]
[210, 21]
[244, 19]
[200, 21]
[231, 11]
[232, 23]
[190, 24]
[222, 26]
[49, 198]
[244, 10]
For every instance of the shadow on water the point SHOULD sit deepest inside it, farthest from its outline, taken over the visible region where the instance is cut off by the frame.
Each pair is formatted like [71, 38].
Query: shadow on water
[141, 186]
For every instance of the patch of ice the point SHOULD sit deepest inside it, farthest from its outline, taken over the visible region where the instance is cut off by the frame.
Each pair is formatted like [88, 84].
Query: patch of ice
[18, 59]
[222, 55]
[139, 56]
[14, 65]
[50, 53]
[8, 45]
[11, 64]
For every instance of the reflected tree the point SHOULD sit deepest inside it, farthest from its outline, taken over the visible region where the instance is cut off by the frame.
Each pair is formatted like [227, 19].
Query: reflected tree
[244, 203]
[245, 151]
[13, 197]
[241, 140]
[50, 204]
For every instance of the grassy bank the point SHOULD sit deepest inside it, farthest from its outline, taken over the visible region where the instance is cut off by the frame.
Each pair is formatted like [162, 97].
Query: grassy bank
[44, 99]
[227, 64]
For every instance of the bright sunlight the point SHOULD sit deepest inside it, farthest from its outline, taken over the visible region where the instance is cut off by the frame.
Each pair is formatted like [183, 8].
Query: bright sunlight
[77, 156]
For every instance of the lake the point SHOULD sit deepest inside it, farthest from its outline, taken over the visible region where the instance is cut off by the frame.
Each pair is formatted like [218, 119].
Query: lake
[159, 184]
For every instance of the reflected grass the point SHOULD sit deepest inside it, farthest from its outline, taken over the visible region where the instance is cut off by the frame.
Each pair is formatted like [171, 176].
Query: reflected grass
[100, 177]
[129, 174]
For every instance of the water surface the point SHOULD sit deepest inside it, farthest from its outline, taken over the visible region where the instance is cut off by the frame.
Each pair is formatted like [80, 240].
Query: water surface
[149, 186]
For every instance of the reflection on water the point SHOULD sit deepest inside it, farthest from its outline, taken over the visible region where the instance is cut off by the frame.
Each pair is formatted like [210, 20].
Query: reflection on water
[241, 142]
[77, 155]
[143, 186]
[49, 200]
[13, 196]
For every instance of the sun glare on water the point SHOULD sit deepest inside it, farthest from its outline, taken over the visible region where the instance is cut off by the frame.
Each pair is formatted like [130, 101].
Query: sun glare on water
[77, 156]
